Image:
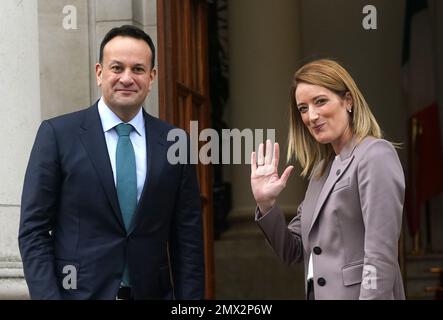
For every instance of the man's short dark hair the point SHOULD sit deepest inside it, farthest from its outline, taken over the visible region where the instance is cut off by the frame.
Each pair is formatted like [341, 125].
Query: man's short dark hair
[128, 31]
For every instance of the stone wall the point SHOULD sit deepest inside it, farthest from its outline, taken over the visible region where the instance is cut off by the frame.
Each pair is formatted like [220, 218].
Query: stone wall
[20, 114]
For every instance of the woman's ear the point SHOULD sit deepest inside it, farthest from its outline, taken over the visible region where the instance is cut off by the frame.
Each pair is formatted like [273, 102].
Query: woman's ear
[349, 100]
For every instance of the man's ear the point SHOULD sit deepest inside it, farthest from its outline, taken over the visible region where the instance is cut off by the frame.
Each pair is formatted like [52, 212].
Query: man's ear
[152, 75]
[98, 74]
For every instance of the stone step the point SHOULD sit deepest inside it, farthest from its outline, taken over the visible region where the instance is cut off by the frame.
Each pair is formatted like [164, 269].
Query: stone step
[13, 289]
[421, 296]
[416, 285]
[12, 283]
[419, 276]
[422, 265]
[247, 268]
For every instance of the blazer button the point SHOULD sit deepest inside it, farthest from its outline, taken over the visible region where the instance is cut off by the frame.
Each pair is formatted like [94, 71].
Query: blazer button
[338, 172]
[321, 282]
[317, 250]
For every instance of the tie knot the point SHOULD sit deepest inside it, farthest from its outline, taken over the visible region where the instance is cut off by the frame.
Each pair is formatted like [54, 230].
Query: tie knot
[124, 129]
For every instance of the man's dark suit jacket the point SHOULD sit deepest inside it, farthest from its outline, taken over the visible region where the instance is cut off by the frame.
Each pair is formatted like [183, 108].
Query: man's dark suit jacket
[70, 216]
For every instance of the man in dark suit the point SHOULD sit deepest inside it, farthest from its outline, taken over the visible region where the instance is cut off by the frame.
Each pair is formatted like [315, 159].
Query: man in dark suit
[104, 215]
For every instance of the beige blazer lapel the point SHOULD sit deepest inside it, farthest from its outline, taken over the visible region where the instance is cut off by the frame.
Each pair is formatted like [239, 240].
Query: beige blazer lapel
[336, 172]
[309, 203]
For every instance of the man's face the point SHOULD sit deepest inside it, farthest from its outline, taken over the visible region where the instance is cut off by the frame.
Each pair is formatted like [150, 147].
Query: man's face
[125, 74]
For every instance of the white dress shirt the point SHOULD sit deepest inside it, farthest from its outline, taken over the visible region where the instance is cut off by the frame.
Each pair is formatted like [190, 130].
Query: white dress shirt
[138, 139]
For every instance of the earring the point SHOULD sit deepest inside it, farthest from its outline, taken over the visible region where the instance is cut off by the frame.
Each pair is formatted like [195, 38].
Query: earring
[350, 110]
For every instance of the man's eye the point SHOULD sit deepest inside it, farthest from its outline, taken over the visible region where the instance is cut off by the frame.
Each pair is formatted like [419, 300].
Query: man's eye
[139, 70]
[115, 68]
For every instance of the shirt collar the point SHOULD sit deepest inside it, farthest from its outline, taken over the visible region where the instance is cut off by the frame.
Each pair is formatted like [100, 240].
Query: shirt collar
[348, 149]
[109, 119]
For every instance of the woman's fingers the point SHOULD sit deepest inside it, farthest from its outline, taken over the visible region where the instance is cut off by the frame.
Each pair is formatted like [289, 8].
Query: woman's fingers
[284, 177]
[268, 157]
[253, 162]
[260, 155]
[276, 156]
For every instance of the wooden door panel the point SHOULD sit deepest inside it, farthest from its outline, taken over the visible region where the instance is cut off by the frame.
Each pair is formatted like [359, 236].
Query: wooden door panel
[184, 92]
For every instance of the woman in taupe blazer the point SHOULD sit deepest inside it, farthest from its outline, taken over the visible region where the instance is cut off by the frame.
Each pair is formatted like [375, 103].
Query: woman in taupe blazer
[348, 225]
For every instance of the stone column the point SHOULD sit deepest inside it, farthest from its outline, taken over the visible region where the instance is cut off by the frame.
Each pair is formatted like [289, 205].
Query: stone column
[21, 114]
[64, 56]
[264, 40]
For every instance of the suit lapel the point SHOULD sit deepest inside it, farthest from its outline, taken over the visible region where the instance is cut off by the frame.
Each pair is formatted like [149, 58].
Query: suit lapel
[93, 140]
[313, 193]
[331, 177]
[335, 174]
[156, 156]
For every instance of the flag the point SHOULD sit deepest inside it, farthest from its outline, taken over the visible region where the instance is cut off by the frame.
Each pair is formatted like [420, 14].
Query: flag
[425, 167]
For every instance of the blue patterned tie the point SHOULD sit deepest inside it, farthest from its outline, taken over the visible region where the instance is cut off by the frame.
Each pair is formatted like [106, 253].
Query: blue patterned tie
[126, 179]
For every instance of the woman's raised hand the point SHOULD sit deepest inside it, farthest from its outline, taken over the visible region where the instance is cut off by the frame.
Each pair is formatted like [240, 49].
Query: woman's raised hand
[265, 183]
